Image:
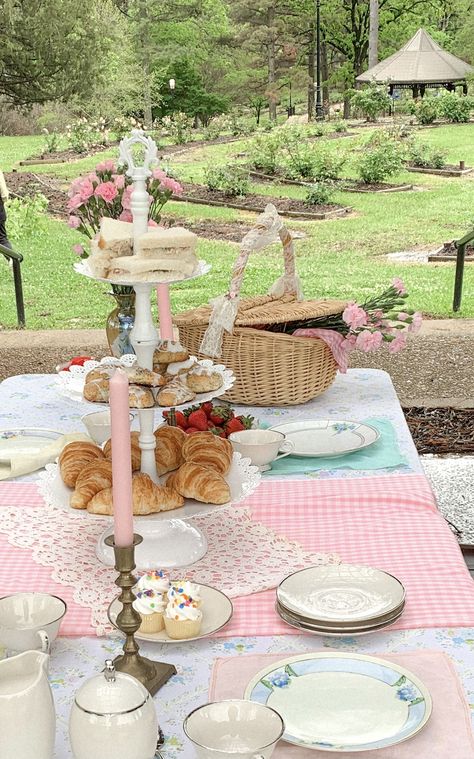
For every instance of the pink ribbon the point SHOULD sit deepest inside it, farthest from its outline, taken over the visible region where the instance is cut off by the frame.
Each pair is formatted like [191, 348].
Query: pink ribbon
[337, 344]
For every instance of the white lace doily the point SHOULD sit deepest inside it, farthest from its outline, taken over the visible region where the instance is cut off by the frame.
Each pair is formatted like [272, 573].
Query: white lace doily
[83, 267]
[71, 383]
[243, 478]
[244, 557]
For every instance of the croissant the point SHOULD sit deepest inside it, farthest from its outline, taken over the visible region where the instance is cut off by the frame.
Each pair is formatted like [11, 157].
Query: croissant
[74, 457]
[147, 498]
[95, 477]
[208, 452]
[136, 453]
[200, 439]
[169, 444]
[194, 481]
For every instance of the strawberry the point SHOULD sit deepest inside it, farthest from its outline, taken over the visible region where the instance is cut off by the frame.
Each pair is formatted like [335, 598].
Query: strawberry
[79, 360]
[220, 415]
[247, 421]
[198, 419]
[191, 430]
[181, 420]
[219, 431]
[207, 408]
[234, 425]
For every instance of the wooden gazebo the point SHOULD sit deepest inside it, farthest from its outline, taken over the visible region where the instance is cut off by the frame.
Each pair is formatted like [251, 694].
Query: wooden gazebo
[419, 64]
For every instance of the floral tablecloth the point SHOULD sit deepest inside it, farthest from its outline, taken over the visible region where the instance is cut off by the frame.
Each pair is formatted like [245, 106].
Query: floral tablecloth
[74, 660]
[32, 400]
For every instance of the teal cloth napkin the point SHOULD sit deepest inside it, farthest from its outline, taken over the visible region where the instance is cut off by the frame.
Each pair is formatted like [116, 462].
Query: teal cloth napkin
[384, 454]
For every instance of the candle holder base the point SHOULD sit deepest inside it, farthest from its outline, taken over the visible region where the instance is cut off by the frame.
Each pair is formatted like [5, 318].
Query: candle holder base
[153, 675]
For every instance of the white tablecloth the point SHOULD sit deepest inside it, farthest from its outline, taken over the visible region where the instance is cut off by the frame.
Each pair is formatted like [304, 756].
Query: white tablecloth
[32, 400]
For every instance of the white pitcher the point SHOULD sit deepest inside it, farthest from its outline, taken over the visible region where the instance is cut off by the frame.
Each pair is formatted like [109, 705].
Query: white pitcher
[27, 717]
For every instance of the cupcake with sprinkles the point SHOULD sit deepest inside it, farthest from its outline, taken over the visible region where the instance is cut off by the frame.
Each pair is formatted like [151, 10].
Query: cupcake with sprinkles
[180, 589]
[182, 618]
[151, 599]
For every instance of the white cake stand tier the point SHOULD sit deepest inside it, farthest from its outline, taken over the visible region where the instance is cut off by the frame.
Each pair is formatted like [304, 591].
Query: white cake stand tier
[170, 539]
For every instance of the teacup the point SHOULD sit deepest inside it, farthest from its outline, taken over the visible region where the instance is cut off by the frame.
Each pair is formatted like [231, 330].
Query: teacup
[98, 426]
[30, 621]
[261, 446]
[238, 729]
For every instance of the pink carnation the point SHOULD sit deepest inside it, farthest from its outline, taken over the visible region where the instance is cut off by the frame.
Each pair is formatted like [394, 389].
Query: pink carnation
[75, 187]
[127, 197]
[416, 323]
[86, 190]
[78, 249]
[402, 316]
[166, 182]
[108, 165]
[92, 177]
[125, 216]
[74, 203]
[399, 286]
[152, 223]
[74, 222]
[119, 181]
[107, 191]
[354, 316]
[368, 341]
[159, 174]
[398, 344]
[350, 342]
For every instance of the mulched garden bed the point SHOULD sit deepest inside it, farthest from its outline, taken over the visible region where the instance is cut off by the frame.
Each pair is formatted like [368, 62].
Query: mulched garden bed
[448, 252]
[449, 170]
[347, 185]
[441, 430]
[212, 229]
[26, 184]
[285, 206]
[65, 156]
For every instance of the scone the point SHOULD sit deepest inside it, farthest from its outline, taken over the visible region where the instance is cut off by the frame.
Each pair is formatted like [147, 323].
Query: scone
[202, 380]
[140, 397]
[175, 394]
[169, 352]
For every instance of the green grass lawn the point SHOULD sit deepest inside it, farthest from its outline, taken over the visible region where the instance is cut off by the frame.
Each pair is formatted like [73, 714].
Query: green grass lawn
[343, 257]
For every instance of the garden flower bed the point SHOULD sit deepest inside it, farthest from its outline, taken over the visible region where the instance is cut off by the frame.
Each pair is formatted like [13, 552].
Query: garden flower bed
[285, 206]
[448, 252]
[348, 185]
[449, 170]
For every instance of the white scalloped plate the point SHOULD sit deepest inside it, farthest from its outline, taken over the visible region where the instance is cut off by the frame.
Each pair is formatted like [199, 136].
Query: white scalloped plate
[82, 267]
[243, 479]
[71, 383]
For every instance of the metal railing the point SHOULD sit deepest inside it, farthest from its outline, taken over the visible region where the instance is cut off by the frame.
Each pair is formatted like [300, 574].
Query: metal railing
[460, 246]
[16, 259]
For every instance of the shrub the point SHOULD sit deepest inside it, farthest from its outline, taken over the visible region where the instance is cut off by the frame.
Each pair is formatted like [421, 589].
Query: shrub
[264, 152]
[380, 161]
[26, 216]
[179, 127]
[423, 155]
[231, 180]
[371, 101]
[299, 155]
[213, 129]
[238, 126]
[426, 110]
[320, 193]
[327, 164]
[317, 130]
[455, 108]
[52, 140]
[340, 126]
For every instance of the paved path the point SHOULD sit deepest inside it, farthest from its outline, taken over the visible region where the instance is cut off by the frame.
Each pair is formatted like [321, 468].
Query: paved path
[436, 368]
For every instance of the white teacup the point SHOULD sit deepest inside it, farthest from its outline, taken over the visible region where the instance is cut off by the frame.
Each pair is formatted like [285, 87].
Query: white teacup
[98, 426]
[30, 621]
[238, 729]
[261, 446]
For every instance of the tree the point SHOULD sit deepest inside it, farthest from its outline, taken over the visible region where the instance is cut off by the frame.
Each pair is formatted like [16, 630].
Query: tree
[49, 49]
[189, 95]
[373, 33]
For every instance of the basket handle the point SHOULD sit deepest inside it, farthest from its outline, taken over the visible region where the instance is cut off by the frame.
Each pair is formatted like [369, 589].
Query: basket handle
[267, 230]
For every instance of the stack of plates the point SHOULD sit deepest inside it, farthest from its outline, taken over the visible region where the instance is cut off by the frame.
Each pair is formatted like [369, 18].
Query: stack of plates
[343, 599]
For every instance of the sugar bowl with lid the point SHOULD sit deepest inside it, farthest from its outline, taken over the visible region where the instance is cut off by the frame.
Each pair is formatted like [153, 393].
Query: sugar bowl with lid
[113, 717]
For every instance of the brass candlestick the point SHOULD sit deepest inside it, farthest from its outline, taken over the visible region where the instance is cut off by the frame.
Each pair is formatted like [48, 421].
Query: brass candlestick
[152, 674]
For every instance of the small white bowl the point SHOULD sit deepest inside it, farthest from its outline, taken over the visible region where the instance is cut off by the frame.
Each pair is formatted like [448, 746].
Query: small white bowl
[97, 425]
[261, 446]
[28, 620]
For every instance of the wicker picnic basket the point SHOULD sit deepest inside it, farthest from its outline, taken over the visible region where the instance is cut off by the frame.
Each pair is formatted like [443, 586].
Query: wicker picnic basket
[271, 368]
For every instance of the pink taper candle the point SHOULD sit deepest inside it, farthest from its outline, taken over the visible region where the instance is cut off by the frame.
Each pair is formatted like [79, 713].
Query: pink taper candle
[164, 312]
[121, 460]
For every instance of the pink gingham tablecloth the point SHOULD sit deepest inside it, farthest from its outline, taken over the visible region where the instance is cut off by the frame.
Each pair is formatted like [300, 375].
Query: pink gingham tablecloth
[387, 522]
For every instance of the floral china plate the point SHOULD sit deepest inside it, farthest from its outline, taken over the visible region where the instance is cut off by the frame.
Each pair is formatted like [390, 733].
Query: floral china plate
[25, 441]
[329, 438]
[343, 702]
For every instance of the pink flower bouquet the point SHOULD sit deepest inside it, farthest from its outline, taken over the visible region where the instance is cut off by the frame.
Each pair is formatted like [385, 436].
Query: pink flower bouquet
[107, 192]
